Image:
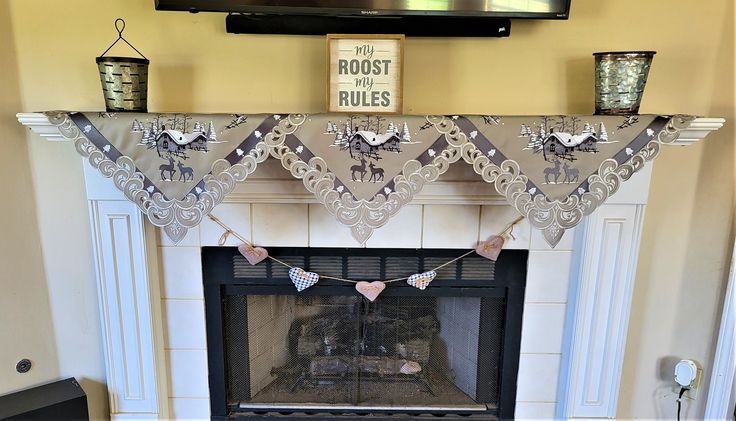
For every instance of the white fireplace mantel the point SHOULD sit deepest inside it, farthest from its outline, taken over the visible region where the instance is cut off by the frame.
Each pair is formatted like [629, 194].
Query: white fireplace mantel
[699, 128]
[597, 304]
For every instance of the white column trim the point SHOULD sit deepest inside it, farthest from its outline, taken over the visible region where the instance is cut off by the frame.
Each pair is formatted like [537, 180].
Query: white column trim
[606, 252]
[129, 304]
[724, 363]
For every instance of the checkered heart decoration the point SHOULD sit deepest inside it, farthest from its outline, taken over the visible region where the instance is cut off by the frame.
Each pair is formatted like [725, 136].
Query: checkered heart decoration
[302, 279]
[421, 280]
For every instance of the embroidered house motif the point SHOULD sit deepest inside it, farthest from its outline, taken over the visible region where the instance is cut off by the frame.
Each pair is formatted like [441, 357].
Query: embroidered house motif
[172, 137]
[561, 140]
[176, 141]
[364, 142]
[368, 138]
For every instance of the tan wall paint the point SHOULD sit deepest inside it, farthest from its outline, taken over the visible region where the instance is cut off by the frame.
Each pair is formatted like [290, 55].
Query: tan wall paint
[48, 305]
[545, 67]
[685, 252]
[25, 319]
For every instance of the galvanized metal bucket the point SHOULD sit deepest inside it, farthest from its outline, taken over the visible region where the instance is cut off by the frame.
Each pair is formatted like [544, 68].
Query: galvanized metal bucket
[124, 79]
[620, 78]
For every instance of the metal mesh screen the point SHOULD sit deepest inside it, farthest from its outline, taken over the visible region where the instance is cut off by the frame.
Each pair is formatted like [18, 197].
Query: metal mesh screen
[340, 349]
[492, 313]
[236, 334]
[343, 350]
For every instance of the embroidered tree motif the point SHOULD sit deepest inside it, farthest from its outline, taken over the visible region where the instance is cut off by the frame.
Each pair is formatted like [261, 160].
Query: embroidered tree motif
[405, 135]
[602, 133]
[211, 134]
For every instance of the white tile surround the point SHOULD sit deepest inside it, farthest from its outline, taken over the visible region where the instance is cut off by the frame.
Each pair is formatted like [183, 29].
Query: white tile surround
[544, 310]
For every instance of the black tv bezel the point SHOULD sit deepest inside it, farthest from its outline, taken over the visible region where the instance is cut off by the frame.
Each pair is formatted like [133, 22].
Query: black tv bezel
[234, 6]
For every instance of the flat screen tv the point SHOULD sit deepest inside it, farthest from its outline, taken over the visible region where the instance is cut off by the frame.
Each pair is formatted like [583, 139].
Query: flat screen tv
[539, 9]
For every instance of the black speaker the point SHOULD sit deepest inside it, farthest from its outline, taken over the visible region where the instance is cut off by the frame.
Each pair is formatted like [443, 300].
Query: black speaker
[417, 26]
[62, 400]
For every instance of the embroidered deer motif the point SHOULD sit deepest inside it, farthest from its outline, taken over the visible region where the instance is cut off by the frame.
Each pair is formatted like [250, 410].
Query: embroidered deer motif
[571, 174]
[185, 171]
[376, 173]
[553, 171]
[358, 168]
[167, 168]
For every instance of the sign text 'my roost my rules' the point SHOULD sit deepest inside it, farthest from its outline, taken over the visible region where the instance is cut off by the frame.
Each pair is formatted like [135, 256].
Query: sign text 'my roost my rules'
[365, 73]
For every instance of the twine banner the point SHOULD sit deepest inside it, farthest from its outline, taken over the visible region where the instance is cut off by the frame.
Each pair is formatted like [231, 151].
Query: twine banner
[303, 279]
[552, 169]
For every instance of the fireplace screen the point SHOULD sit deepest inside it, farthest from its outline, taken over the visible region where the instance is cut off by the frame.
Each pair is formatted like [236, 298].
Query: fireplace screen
[438, 351]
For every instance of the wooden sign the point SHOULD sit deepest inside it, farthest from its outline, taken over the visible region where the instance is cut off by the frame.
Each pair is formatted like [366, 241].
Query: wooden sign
[365, 73]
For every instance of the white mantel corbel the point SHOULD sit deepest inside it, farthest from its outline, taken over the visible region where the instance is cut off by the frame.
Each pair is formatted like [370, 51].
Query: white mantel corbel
[594, 345]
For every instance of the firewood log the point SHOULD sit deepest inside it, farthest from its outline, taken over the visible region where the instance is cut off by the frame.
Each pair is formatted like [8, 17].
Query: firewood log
[341, 366]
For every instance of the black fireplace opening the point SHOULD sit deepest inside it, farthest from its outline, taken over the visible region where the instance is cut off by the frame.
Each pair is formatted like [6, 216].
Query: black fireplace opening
[450, 351]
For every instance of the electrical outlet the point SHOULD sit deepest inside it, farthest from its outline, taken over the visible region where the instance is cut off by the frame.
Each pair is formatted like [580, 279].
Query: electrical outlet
[687, 374]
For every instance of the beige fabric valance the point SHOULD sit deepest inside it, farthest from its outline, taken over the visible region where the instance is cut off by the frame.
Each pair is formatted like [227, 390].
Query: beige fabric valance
[364, 169]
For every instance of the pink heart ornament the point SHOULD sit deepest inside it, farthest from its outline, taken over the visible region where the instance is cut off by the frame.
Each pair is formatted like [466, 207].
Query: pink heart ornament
[421, 280]
[370, 290]
[254, 255]
[490, 248]
[302, 279]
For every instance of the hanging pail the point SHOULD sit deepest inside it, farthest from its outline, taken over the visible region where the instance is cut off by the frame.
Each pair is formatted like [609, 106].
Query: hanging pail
[124, 83]
[620, 78]
[124, 79]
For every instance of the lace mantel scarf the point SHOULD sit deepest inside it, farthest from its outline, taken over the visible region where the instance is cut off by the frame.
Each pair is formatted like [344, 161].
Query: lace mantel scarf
[552, 169]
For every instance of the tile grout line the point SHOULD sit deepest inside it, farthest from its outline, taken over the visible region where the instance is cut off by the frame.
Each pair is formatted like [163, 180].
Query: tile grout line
[421, 228]
[480, 220]
[250, 222]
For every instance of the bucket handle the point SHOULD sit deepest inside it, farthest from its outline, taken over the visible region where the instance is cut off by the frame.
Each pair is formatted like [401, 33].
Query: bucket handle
[120, 27]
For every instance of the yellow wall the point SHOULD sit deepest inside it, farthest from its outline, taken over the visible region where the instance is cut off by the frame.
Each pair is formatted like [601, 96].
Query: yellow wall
[25, 320]
[544, 67]
[48, 303]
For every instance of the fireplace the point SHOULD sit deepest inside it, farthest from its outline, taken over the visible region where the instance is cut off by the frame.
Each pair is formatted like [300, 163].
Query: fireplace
[451, 350]
[151, 297]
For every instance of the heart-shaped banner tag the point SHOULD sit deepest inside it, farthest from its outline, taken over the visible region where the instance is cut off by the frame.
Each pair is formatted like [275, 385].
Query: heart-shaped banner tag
[421, 280]
[370, 290]
[490, 248]
[253, 255]
[302, 279]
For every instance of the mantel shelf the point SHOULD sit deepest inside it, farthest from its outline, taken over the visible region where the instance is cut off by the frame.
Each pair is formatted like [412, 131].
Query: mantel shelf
[698, 130]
